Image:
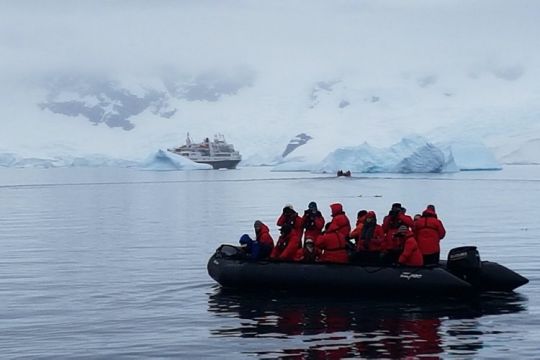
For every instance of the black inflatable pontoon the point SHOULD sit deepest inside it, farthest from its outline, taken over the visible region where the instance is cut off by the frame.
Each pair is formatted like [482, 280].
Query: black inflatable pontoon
[462, 273]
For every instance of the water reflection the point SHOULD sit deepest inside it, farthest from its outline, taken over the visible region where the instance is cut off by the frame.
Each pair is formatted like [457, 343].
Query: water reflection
[336, 328]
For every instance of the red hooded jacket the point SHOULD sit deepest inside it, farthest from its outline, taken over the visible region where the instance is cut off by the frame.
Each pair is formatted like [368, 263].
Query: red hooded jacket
[340, 222]
[369, 241]
[429, 231]
[286, 246]
[355, 234]
[411, 255]
[263, 236]
[295, 219]
[333, 242]
[390, 226]
[313, 230]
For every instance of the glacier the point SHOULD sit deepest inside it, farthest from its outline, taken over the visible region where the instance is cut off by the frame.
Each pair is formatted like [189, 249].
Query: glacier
[65, 160]
[527, 153]
[161, 160]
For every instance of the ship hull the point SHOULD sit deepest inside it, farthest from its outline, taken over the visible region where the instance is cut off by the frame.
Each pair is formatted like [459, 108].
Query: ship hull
[220, 164]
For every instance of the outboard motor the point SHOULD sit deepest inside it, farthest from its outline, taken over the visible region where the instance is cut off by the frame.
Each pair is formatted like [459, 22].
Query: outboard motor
[464, 262]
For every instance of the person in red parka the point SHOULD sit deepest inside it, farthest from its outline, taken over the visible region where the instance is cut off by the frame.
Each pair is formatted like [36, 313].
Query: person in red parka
[287, 245]
[307, 254]
[262, 246]
[291, 230]
[360, 217]
[290, 216]
[370, 241]
[429, 231]
[395, 218]
[411, 255]
[263, 237]
[312, 222]
[333, 243]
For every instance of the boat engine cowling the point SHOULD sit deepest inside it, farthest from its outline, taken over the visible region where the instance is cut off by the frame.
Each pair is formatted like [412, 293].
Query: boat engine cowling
[464, 262]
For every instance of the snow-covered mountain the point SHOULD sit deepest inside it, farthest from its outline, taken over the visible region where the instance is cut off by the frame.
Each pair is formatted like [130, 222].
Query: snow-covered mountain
[128, 79]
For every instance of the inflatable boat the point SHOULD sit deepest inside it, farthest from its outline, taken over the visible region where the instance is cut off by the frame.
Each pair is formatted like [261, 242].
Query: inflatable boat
[462, 273]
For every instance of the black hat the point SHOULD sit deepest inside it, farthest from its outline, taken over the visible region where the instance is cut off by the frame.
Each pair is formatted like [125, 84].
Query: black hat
[312, 205]
[396, 206]
[361, 213]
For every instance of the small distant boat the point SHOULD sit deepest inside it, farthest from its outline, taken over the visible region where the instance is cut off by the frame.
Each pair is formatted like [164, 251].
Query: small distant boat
[344, 173]
[217, 153]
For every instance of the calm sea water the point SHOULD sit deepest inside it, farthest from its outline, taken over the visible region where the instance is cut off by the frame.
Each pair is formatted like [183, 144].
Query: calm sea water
[111, 263]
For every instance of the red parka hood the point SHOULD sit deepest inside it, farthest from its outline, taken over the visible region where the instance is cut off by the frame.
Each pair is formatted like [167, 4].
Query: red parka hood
[371, 214]
[336, 209]
[264, 229]
[429, 213]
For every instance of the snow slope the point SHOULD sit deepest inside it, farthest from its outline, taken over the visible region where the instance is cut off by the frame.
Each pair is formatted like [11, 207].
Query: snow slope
[527, 153]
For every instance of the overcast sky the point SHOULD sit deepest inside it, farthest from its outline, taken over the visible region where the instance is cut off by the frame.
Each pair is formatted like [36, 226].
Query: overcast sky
[298, 38]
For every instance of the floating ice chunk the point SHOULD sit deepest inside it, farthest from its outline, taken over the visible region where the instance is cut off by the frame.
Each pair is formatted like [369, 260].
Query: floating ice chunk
[164, 160]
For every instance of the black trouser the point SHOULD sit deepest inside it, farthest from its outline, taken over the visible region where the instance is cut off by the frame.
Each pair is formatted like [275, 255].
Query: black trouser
[432, 259]
[391, 257]
[367, 257]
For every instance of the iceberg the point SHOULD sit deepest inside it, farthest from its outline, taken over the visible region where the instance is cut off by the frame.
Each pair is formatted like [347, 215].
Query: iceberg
[411, 155]
[426, 159]
[164, 160]
[469, 155]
